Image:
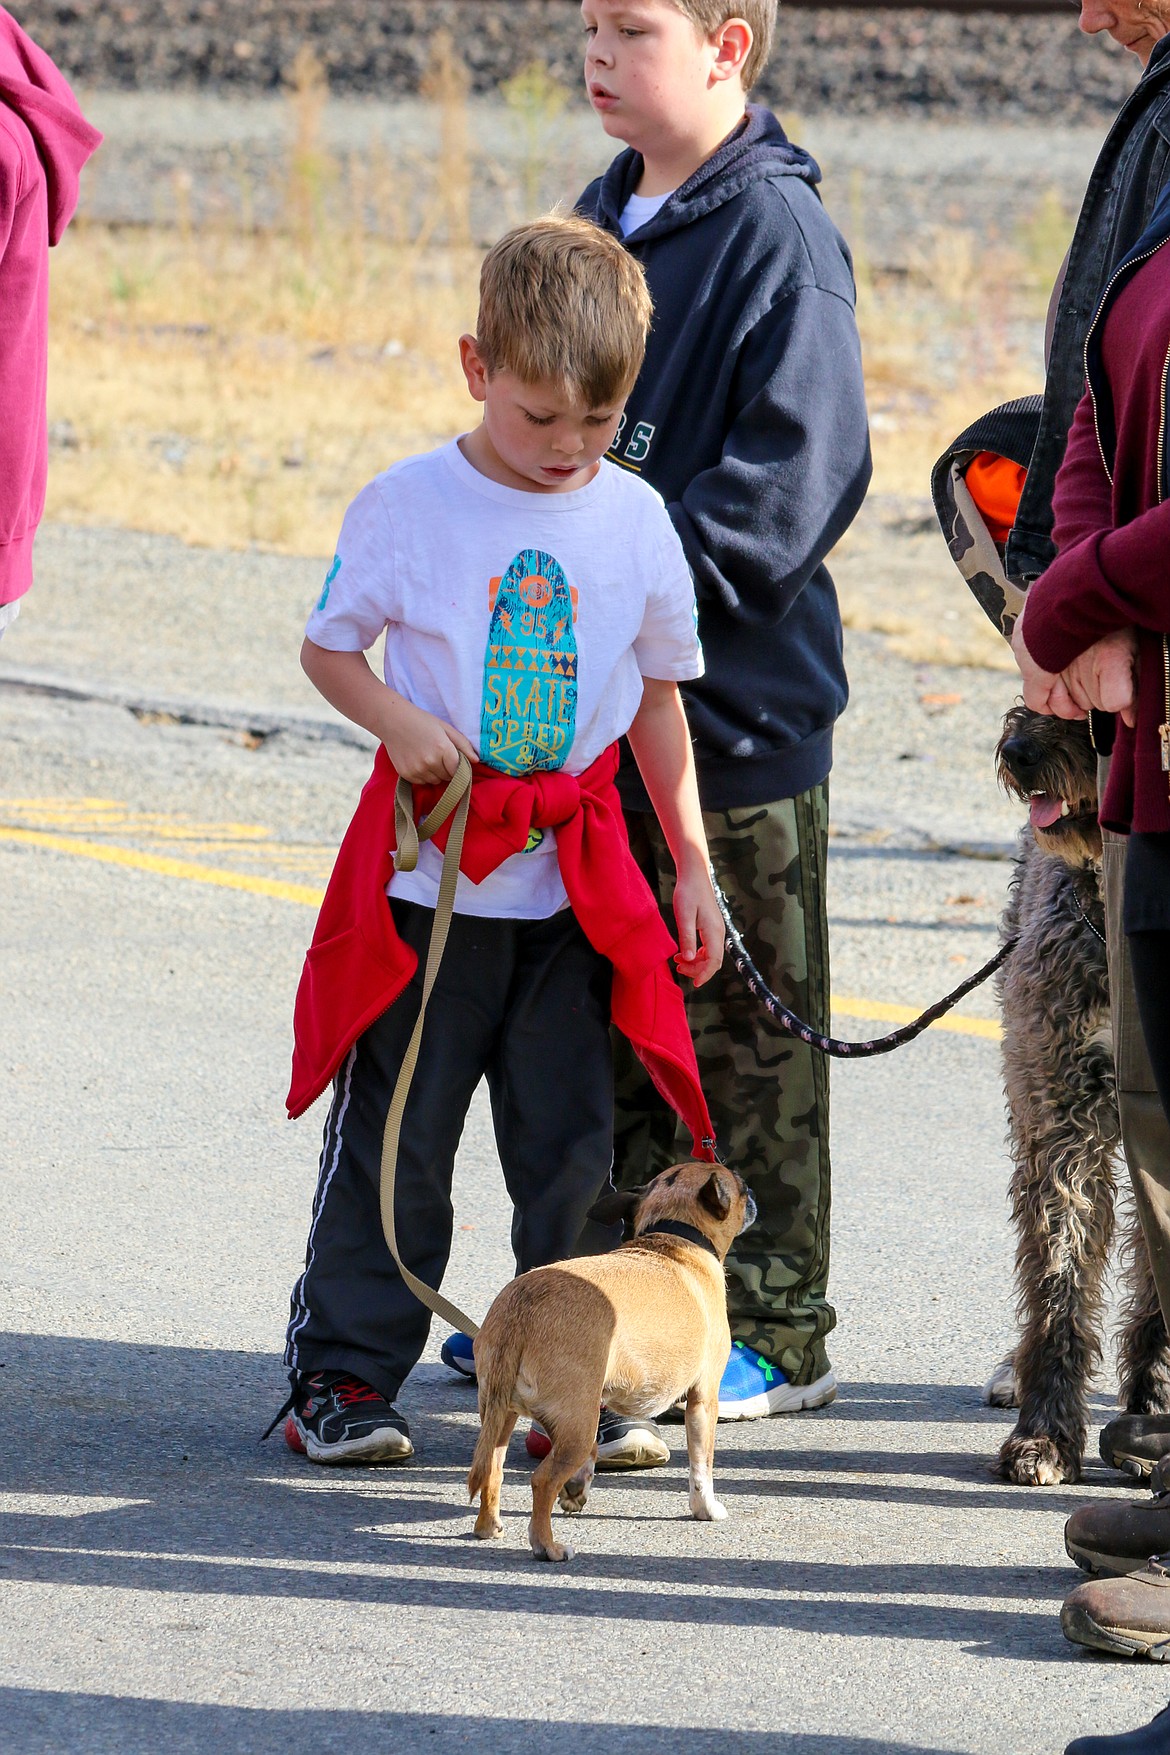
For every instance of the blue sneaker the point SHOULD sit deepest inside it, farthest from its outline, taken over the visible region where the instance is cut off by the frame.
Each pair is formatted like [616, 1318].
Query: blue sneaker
[751, 1388]
[456, 1353]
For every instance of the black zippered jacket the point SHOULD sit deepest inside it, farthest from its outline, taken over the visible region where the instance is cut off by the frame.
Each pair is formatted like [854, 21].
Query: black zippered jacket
[1131, 170]
[749, 419]
[1111, 570]
[1155, 236]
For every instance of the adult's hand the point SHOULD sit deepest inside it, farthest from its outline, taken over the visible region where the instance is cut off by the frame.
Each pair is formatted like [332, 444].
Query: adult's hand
[1044, 690]
[1104, 677]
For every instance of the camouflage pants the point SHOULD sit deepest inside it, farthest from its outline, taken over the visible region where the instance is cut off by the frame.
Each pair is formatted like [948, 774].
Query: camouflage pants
[768, 1094]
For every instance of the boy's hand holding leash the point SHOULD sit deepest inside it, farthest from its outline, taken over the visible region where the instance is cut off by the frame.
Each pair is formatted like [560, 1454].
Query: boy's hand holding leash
[699, 923]
[423, 748]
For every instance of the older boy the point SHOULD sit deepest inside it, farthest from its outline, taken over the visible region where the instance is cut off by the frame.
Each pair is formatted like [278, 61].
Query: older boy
[749, 418]
[537, 607]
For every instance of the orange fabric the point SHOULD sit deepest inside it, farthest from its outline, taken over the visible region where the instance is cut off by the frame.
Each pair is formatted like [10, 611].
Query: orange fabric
[995, 484]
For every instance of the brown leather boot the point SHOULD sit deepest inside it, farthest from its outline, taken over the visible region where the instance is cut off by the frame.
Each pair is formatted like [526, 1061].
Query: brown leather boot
[1135, 1442]
[1117, 1539]
[1128, 1617]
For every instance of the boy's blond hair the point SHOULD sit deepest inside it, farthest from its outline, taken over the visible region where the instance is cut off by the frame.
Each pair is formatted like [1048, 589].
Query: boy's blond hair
[562, 302]
[708, 15]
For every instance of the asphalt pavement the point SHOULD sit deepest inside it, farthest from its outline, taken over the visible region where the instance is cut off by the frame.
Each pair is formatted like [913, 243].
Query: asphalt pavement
[170, 802]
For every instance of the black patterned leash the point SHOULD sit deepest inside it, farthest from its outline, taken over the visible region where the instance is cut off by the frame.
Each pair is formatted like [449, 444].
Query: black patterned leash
[841, 1050]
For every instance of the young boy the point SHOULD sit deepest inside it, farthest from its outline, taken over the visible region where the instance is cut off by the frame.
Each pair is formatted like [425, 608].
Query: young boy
[537, 607]
[749, 418]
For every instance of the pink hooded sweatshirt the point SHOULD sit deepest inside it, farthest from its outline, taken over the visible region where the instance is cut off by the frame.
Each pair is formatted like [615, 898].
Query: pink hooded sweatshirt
[44, 142]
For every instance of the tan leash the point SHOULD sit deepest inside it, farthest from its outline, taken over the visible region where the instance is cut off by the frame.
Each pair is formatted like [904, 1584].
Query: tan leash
[455, 799]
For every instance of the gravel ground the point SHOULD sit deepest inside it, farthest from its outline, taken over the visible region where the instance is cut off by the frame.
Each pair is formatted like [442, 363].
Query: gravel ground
[890, 182]
[827, 58]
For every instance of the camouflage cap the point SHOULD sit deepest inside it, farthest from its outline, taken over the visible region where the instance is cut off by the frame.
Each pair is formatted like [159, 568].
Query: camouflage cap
[1008, 431]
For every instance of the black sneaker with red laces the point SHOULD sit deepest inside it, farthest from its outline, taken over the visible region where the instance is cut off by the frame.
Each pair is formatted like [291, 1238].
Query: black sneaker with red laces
[337, 1418]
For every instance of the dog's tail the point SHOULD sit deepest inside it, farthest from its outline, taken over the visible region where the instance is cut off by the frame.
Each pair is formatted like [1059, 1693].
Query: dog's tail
[497, 1365]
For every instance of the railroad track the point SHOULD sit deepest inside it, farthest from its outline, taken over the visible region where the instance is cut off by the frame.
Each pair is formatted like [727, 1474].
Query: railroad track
[1001, 6]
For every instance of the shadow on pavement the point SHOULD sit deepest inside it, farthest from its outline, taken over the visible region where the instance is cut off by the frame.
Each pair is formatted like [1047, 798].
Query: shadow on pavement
[845, 1472]
[100, 1722]
[925, 1403]
[193, 1504]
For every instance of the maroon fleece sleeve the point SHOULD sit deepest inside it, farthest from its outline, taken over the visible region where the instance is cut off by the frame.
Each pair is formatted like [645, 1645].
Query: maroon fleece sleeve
[1077, 600]
[1082, 500]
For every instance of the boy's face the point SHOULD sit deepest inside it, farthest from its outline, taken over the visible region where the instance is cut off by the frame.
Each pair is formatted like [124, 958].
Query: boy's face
[544, 439]
[649, 70]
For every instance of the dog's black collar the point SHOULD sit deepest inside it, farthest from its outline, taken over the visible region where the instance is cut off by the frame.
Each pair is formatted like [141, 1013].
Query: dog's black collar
[675, 1228]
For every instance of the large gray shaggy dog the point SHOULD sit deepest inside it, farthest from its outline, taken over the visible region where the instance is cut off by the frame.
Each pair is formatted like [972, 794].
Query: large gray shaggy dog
[1062, 1118]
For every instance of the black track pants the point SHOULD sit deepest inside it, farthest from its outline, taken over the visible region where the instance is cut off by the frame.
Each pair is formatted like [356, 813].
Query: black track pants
[524, 1003]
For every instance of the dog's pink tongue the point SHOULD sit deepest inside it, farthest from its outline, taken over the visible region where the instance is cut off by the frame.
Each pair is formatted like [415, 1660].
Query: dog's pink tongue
[1045, 811]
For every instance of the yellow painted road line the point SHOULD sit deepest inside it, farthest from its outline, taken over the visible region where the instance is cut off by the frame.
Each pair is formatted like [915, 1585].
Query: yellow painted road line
[906, 1014]
[164, 866]
[109, 814]
[310, 896]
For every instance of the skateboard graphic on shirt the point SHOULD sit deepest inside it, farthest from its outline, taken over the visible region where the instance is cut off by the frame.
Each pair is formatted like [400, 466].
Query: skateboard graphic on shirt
[529, 713]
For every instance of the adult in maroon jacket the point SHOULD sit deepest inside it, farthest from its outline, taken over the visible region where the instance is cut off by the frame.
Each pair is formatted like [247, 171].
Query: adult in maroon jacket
[1095, 632]
[1111, 577]
[44, 142]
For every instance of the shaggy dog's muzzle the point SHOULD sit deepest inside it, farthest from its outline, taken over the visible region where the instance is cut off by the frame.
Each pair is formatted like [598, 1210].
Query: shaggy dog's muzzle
[1052, 765]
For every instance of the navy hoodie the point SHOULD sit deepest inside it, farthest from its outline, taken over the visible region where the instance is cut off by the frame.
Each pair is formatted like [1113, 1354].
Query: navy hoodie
[749, 419]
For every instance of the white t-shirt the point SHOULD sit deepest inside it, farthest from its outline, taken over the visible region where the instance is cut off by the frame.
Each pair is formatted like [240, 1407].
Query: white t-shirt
[639, 210]
[527, 620]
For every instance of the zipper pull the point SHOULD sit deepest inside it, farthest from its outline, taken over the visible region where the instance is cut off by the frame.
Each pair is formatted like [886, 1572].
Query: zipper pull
[1164, 734]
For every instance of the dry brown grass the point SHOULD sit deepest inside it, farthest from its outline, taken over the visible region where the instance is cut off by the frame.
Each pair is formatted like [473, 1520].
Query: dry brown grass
[954, 336]
[228, 391]
[234, 387]
[957, 334]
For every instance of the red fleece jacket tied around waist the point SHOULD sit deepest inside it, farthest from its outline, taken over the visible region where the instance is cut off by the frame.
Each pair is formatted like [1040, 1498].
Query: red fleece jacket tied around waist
[357, 965]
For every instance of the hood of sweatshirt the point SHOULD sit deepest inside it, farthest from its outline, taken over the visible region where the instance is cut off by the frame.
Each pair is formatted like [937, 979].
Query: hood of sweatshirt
[758, 149]
[32, 87]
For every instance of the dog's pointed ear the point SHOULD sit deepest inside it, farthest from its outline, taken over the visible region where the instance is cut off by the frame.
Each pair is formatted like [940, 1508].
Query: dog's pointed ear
[616, 1205]
[713, 1196]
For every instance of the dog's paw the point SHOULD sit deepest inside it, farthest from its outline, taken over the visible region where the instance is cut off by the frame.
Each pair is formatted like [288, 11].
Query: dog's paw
[1001, 1389]
[707, 1509]
[487, 1528]
[575, 1492]
[551, 1551]
[1036, 1462]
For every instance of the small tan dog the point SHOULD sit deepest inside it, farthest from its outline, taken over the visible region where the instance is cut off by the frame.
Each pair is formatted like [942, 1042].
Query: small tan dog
[635, 1330]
